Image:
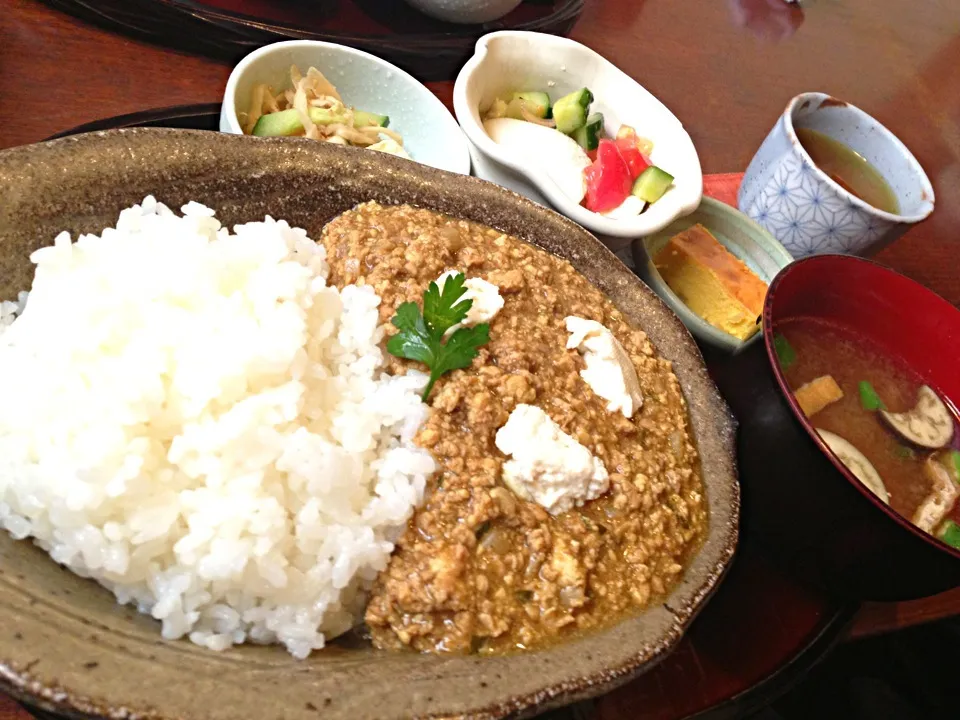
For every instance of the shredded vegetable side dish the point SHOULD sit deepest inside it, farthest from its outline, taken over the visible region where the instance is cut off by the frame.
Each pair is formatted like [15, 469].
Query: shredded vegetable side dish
[313, 108]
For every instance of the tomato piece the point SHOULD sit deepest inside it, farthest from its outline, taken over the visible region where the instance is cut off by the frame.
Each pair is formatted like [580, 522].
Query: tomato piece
[636, 162]
[627, 139]
[608, 179]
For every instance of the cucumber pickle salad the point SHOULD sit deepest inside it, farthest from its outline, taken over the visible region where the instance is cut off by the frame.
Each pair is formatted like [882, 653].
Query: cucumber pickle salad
[612, 176]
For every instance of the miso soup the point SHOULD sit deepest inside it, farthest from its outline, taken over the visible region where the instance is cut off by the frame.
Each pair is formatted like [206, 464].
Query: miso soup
[896, 434]
[849, 169]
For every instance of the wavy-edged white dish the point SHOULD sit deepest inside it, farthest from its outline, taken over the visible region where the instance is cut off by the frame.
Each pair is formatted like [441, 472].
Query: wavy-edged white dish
[509, 60]
[430, 133]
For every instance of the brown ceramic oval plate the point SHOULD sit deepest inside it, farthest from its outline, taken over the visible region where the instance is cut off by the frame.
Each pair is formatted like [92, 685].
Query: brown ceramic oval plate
[65, 646]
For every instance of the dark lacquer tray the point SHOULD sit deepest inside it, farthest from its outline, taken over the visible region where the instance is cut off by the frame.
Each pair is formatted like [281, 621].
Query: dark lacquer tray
[229, 29]
[758, 636]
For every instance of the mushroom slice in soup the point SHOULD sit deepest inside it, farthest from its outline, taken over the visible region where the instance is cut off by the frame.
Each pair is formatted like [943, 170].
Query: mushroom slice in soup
[929, 424]
[943, 496]
[857, 463]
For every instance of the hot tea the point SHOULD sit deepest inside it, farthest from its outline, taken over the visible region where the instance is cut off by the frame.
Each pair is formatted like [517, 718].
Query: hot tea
[849, 169]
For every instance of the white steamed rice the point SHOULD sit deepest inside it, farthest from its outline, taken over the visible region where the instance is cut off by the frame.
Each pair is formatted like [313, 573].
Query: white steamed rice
[197, 421]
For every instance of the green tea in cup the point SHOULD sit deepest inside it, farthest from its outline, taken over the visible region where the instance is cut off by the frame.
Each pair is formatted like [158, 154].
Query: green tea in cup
[849, 169]
[829, 178]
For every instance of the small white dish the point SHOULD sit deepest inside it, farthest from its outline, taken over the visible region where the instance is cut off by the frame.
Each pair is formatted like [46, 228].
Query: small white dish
[509, 60]
[430, 133]
[465, 11]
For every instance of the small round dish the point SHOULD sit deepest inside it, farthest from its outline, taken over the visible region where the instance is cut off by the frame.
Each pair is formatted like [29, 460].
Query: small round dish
[737, 233]
[465, 11]
[227, 29]
[508, 61]
[430, 133]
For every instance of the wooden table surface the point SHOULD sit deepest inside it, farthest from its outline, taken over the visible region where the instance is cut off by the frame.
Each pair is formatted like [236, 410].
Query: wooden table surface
[725, 67]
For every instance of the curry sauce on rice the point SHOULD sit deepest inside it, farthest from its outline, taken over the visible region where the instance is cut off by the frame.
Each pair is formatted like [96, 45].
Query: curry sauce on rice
[417, 422]
[479, 568]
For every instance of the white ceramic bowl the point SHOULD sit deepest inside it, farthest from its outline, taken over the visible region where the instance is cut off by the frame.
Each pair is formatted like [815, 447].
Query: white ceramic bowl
[805, 208]
[512, 60]
[430, 133]
[465, 11]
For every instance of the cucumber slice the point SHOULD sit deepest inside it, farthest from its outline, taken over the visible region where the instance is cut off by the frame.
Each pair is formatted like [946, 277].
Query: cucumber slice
[537, 103]
[515, 112]
[652, 184]
[588, 136]
[570, 111]
[278, 124]
[323, 116]
[366, 119]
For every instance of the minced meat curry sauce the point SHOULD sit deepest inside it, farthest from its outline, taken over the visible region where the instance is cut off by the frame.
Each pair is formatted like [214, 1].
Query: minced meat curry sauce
[478, 569]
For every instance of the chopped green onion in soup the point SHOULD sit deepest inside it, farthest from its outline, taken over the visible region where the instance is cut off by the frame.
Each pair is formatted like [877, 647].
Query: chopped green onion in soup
[785, 352]
[950, 534]
[904, 452]
[869, 399]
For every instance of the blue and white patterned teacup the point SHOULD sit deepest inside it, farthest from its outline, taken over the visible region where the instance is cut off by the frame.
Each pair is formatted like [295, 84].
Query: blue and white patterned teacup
[807, 211]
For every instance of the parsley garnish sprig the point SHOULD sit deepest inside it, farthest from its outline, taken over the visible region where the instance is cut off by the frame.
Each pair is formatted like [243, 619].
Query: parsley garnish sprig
[421, 334]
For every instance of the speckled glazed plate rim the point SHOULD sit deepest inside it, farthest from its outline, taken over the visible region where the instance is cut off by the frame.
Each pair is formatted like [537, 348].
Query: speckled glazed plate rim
[51, 184]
